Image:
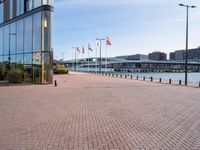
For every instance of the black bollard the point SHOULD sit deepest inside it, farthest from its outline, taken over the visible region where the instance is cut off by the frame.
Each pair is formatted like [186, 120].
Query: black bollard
[137, 77]
[160, 80]
[144, 78]
[120, 76]
[151, 79]
[131, 77]
[179, 82]
[125, 76]
[55, 83]
[170, 81]
[199, 84]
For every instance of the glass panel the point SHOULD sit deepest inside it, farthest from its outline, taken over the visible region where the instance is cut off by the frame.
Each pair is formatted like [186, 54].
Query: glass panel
[12, 35]
[37, 65]
[28, 34]
[37, 3]
[1, 41]
[28, 68]
[12, 61]
[6, 40]
[47, 65]
[20, 62]
[20, 7]
[1, 12]
[44, 2]
[37, 32]
[47, 31]
[2, 70]
[11, 9]
[20, 36]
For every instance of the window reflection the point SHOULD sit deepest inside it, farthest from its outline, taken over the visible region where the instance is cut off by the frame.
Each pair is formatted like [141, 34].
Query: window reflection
[28, 34]
[1, 41]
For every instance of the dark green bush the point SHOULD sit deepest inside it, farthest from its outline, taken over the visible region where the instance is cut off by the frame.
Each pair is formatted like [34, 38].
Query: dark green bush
[15, 76]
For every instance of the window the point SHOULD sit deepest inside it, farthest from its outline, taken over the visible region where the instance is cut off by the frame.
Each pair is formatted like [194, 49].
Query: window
[20, 7]
[20, 36]
[11, 9]
[37, 32]
[28, 39]
[6, 40]
[1, 12]
[1, 41]
[37, 3]
[12, 37]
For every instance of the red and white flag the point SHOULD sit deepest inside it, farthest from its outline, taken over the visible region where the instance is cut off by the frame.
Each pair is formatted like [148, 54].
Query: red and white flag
[89, 48]
[108, 41]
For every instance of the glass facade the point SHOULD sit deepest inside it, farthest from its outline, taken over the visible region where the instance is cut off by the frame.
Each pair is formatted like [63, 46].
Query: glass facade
[26, 44]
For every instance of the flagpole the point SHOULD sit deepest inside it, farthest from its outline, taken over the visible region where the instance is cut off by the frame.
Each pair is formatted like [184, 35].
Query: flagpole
[96, 58]
[82, 61]
[106, 58]
[88, 59]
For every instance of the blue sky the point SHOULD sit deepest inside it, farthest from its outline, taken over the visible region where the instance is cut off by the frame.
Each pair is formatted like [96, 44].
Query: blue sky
[134, 26]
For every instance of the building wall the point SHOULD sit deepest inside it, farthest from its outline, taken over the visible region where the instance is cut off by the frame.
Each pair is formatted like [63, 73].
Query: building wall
[157, 56]
[26, 40]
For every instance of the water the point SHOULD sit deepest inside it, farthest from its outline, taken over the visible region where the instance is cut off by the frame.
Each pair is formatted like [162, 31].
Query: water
[192, 77]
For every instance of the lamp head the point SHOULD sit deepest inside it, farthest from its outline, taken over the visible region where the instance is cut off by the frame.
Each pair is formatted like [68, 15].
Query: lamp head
[194, 6]
[181, 4]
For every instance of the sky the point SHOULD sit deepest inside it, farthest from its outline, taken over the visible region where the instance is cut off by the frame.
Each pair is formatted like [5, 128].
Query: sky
[134, 26]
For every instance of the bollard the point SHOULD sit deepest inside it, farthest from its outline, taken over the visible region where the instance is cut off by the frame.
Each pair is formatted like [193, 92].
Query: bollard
[160, 80]
[116, 75]
[137, 77]
[113, 75]
[120, 76]
[170, 81]
[131, 77]
[125, 76]
[151, 79]
[55, 83]
[144, 78]
[199, 84]
[179, 82]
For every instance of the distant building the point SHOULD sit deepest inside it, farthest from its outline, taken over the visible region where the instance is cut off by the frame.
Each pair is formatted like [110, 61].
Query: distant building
[122, 57]
[137, 57]
[193, 54]
[158, 56]
[133, 57]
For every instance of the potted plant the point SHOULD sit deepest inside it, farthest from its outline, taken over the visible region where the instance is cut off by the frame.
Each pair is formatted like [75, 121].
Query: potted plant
[15, 76]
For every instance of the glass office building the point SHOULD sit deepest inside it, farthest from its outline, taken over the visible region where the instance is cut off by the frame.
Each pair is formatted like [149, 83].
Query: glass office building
[26, 39]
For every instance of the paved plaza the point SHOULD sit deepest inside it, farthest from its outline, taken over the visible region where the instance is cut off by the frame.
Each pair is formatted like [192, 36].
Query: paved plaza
[91, 112]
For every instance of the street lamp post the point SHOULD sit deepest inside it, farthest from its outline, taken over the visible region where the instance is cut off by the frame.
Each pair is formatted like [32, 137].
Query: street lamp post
[9, 58]
[186, 52]
[100, 40]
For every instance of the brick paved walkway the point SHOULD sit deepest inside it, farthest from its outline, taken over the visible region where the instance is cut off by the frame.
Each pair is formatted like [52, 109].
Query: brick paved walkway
[89, 112]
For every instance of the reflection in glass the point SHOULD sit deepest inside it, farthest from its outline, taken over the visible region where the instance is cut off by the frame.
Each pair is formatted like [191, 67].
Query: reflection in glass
[28, 68]
[28, 34]
[20, 36]
[1, 12]
[12, 35]
[6, 40]
[1, 41]
[37, 29]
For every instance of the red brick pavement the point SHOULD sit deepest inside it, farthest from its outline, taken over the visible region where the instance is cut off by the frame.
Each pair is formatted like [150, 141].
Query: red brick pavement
[89, 112]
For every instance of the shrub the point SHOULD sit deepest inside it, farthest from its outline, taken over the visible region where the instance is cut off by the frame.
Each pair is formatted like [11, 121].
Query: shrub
[60, 69]
[15, 76]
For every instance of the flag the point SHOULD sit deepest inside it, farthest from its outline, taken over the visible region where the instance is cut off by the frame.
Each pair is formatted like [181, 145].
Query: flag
[83, 50]
[78, 50]
[89, 48]
[108, 42]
